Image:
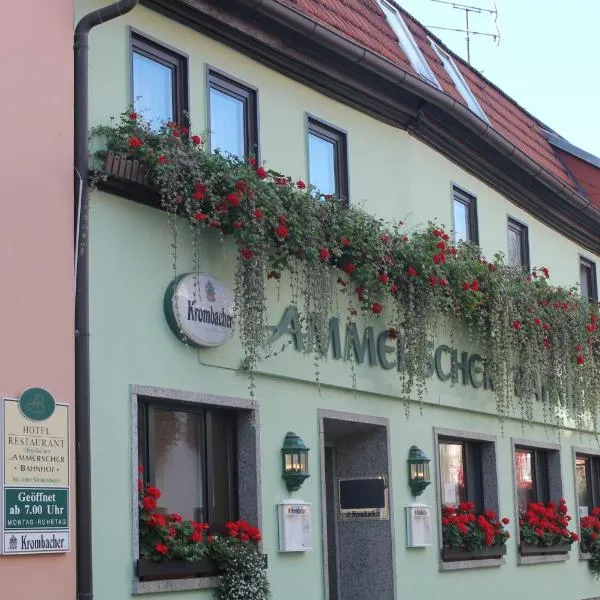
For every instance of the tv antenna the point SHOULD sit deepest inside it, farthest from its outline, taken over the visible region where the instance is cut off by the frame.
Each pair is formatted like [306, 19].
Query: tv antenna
[469, 33]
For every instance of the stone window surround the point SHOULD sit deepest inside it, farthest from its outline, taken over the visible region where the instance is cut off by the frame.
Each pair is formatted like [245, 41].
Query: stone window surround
[575, 450]
[323, 414]
[197, 398]
[439, 432]
[552, 447]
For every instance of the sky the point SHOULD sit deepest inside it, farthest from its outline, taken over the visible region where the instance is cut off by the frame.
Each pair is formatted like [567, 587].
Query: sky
[547, 60]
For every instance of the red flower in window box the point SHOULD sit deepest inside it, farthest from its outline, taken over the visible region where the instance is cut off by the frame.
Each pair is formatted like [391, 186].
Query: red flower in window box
[546, 525]
[463, 529]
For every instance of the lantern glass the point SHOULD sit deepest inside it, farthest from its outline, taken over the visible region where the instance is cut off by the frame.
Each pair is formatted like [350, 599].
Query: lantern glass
[295, 461]
[418, 470]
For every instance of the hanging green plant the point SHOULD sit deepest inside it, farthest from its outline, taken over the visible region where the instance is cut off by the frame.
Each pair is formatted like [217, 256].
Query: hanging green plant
[531, 331]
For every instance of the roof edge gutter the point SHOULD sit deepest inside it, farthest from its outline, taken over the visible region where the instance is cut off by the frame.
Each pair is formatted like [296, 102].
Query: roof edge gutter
[85, 590]
[352, 51]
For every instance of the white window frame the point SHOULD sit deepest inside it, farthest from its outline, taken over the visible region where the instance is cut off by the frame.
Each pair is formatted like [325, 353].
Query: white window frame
[459, 81]
[407, 42]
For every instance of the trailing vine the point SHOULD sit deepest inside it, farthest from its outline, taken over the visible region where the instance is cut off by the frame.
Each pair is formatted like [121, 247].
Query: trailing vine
[540, 341]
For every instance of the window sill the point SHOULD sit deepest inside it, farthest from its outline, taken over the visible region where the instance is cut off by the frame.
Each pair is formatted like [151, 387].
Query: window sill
[454, 559]
[533, 555]
[174, 585]
[478, 563]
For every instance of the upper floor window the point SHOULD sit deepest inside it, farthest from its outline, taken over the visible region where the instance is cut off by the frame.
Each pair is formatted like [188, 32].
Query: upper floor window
[587, 279]
[464, 208]
[327, 159]
[407, 42]
[459, 81]
[233, 116]
[518, 244]
[189, 453]
[159, 82]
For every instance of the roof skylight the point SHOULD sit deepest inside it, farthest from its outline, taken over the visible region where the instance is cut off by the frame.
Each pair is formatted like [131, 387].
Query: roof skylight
[407, 42]
[459, 81]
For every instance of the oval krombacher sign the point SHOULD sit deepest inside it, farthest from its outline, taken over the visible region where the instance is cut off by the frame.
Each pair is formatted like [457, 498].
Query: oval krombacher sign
[199, 309]
[36, 404]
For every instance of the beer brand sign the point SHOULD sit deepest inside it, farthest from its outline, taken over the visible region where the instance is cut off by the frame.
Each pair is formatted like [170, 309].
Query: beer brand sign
[199, 309]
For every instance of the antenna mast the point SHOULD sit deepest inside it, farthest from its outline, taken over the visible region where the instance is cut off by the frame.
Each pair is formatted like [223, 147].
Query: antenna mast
[468, 9]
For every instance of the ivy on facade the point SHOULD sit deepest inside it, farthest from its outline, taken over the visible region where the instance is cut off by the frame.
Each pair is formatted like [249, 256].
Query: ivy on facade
[540, 342]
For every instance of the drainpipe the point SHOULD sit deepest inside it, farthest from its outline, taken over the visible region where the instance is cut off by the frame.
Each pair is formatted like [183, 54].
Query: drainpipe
[82, 329]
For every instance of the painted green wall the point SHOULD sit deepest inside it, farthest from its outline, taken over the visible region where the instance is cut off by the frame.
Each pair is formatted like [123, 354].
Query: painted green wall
[131, 343]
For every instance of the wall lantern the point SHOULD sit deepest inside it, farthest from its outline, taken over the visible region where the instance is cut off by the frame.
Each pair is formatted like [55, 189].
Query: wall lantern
[294, 454]
[418, 470]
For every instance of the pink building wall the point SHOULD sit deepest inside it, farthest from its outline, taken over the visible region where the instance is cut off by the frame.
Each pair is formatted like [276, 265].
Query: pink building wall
[36, 240]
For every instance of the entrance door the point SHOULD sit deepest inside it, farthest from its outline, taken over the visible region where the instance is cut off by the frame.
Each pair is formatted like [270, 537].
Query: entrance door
[332, 534]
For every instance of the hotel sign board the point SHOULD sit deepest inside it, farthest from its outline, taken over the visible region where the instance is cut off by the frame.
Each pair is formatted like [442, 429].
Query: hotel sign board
[36, 491]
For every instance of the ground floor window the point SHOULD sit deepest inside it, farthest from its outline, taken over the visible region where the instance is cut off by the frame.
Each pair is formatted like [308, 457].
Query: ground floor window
[189, 453]
[532, 476]
[197, 457]
[587, 471]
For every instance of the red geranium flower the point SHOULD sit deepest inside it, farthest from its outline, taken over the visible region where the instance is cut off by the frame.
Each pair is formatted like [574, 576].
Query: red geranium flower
[163, 160]
[161, 548]
[196, 140]
[344, 241]
[580, 359]
[376, 308]
[149, 503]
[383, 278]
[411, 271]
[133, 116]
[281, 232]
[153, 491]
[134, 142]
[261, 173]
[246, 253]
[200, 216]
[516, 325]
[300, 185]
[324, 254]
[233, 199]
[348, 267]
[258, 213]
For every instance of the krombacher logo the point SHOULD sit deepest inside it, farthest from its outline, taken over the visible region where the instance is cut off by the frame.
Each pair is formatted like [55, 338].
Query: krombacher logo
[209, 316]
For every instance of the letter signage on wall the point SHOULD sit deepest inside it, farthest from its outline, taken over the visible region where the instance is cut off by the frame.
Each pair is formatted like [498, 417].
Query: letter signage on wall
[36, 474]
[199, 309]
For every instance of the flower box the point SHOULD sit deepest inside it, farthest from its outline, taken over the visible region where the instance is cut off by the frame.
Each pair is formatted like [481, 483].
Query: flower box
[456, 554]
[533, 550]
[175, 569]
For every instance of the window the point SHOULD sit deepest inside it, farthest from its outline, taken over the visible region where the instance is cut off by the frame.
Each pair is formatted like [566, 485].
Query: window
[532, 476]
[159, 82]
[189, 453]
[327, 159]
[587, 278]
[233, 116]
[587, 472]
[462, 463]
[518, 244]
[407, 42]
[464, 207]
[459, 81]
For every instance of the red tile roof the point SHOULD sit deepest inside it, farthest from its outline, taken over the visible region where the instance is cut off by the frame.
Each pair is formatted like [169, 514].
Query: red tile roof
[363, 22]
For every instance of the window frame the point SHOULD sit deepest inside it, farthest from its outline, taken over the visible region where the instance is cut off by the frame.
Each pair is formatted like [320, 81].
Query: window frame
[166, 55]
[523, 231]
[459, 81]
[489, 487]
[590, 267]
[407, 43]
[249, 495]
[469, 200]
[339, 138]
[555, 492]
[594, 454]
[247, 94]
[208, 475]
